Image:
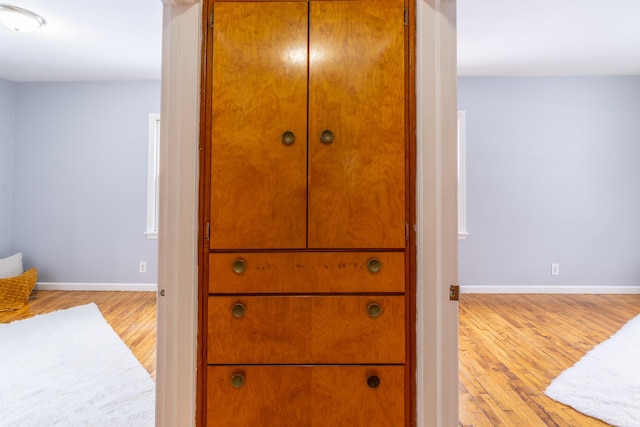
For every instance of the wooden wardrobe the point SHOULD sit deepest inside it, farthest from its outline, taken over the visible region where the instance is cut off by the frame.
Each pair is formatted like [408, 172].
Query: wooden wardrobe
[307, 295]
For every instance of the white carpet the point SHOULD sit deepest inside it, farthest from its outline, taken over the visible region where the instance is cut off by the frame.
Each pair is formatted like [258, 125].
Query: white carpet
[605, 383]
[69, 368]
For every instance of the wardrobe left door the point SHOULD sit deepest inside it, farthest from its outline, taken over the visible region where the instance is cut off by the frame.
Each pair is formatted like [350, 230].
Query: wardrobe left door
[259, 126]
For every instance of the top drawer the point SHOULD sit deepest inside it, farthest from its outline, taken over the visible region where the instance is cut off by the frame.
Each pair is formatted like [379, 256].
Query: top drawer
[306, 272]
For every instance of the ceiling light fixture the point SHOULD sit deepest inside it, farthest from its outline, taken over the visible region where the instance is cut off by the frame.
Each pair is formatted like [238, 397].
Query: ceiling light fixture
[19, 19]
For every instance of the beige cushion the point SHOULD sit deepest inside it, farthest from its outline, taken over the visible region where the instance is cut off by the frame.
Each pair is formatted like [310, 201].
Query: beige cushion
[11, 266]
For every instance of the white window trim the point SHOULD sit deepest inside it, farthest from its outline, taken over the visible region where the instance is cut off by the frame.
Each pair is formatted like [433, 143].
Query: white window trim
[462, 178]
[153, 164]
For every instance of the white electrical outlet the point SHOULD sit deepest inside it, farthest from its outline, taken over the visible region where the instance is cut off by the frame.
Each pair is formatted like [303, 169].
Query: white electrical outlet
[143, 267]
[555, 269]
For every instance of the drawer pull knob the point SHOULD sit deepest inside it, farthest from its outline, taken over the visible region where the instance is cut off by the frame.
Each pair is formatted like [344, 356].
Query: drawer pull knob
[374, 310]
[373, 381]
[288, 138]
[238, 310]
[326, 136]
[237, 380]
[239, 266]
[374, 265]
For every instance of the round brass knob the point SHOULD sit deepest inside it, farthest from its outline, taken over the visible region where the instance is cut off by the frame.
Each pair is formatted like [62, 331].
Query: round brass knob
[239, 266]
[326, 136]
[238, 310]
[237, 380]
[374, 265]
[373, 381]
[374, 310]
[288, 138]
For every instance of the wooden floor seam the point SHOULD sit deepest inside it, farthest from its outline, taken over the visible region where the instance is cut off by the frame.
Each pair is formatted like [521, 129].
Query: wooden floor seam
[510, 346]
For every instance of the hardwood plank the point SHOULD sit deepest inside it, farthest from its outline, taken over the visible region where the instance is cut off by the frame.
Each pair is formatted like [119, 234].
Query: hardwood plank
[513, 346]
[132, 315]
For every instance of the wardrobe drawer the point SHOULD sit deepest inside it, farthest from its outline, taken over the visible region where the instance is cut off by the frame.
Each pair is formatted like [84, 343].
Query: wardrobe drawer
[283, 396]
[306, 329]
[306, 272]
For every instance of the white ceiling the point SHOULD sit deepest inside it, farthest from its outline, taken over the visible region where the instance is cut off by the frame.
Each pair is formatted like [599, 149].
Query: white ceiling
[548, 37]
[85, 40]
[91, 40]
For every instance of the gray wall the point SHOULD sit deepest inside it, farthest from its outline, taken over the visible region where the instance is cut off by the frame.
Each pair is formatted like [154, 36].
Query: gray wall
[7, 118]
[79, 181]
[553, 175]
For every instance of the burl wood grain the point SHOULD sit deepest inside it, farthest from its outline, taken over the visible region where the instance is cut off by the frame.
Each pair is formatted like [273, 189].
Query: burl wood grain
[356, 90]
[299, 396]
[306, 272]
[306, 330]
[259, 184]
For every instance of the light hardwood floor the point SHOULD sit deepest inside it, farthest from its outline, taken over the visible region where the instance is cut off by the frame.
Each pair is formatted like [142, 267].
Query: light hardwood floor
[131, 314]
[513, 346]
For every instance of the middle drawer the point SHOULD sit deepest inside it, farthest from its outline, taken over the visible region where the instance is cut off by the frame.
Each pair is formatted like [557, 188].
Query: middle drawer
[306, 329]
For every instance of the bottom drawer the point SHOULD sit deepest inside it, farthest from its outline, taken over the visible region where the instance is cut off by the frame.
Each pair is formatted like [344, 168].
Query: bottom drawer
[299, 396]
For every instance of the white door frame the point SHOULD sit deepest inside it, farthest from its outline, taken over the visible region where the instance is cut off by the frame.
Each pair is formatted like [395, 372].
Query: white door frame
[436, 213]
[178, 219]
[436, 220]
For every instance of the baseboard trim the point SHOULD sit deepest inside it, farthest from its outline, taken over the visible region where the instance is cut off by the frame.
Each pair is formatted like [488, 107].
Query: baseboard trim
[57, 286]
[550, 289]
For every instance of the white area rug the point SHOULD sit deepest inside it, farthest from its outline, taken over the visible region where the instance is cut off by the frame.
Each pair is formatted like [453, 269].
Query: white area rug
[69, 368]
[605, 383]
